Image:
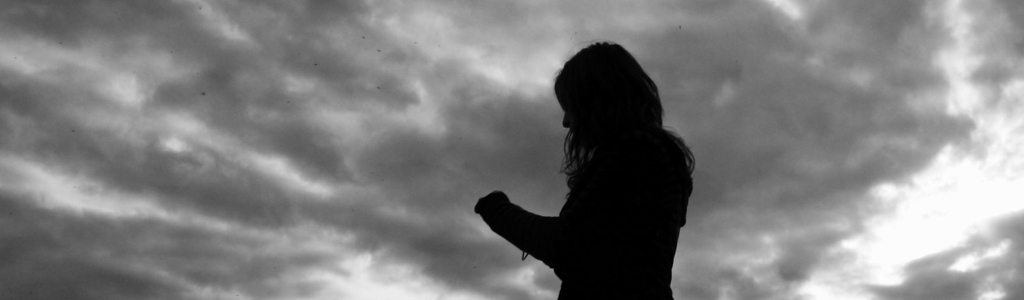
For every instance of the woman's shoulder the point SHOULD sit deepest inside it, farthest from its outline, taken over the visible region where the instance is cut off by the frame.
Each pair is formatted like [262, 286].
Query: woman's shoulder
[642, 141]
[650, 148]
[631, 147]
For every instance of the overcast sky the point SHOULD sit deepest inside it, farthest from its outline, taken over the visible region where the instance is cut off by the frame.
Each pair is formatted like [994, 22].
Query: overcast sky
[258, 149]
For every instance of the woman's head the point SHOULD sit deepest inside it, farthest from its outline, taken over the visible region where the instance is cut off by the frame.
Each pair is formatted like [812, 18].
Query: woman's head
[604, 92]
[603, 89]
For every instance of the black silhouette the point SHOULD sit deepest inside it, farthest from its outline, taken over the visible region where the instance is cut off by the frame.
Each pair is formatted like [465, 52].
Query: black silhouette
[629, 180]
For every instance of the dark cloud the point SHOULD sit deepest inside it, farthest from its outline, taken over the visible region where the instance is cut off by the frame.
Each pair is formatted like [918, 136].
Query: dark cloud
[202, 180]
[800, 255]
[711, 279]
[798, 140]
[939, 286]
[1000, 47]
[439, 179]
[208, 183]
[71, 22]
[50, 254]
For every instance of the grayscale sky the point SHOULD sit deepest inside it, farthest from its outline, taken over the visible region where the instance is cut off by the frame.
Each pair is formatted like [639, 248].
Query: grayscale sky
[315, 149]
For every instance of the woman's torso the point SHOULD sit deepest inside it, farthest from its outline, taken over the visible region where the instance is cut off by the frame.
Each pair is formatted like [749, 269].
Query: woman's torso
[632, 256]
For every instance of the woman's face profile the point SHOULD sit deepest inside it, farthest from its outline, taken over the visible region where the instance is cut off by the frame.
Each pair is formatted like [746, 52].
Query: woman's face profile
[567, 117]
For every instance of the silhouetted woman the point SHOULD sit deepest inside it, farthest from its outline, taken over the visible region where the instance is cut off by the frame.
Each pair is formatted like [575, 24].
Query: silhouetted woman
[629, 182]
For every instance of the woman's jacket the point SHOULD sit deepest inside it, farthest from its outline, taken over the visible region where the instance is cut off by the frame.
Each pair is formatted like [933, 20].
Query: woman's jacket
[615, 237]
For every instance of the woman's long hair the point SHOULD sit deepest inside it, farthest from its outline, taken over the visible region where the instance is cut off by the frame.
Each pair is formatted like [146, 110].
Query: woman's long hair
[608, 94]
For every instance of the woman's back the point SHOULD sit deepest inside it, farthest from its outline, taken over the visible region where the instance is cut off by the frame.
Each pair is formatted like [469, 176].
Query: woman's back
[641, 193]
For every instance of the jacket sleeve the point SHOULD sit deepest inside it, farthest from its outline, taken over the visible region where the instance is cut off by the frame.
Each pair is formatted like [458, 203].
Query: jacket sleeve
[596, 213]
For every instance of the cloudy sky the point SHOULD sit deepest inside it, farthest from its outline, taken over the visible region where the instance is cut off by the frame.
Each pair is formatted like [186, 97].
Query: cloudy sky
[317, 149]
